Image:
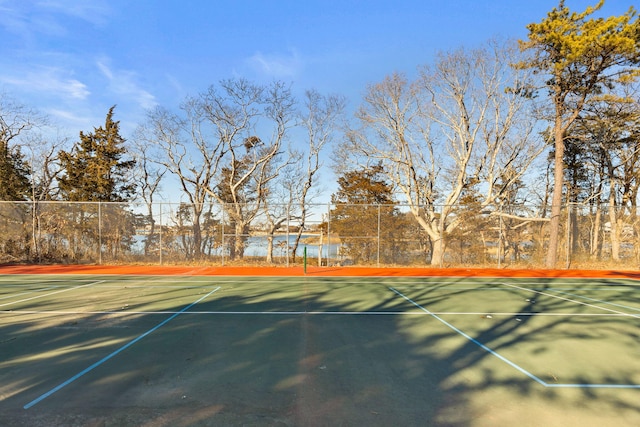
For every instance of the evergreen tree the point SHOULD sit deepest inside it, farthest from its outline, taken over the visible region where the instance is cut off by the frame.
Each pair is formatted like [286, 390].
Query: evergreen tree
[16, 120]
[14, 174]
[95, 170]
[581, 57]
[366, 218]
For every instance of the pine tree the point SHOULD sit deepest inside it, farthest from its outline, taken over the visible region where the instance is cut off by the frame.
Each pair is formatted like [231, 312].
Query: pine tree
[366, 217]
[15, 121]
[14, 175]
[94, 169]
[582, 57]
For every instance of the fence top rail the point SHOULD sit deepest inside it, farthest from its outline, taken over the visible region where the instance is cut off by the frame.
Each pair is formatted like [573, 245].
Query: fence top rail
[484, 210]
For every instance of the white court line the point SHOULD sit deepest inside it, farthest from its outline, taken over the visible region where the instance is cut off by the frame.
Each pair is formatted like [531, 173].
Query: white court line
[468, 337]
[27, 293]
[597, 300]
[52, 293]
[604, 284]
[509, 362]
[78, 287]
[316, 313]
[621, 313]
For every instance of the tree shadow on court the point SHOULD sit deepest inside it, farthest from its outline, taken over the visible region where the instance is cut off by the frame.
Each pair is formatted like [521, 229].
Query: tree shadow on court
[328, 356]
[584, 358]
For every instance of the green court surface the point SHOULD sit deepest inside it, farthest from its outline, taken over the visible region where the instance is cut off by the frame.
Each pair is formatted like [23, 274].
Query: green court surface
[302, 351]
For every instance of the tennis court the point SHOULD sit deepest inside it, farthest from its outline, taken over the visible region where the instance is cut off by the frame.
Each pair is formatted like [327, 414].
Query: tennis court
[313, 350]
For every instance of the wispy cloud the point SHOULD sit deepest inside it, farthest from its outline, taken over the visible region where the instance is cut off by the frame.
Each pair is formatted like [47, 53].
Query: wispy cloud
[13, 19]
[49, 81]
[69, 117]
[29, 19]
[177, 86]
[96, 11]
[124, 83]
[277, 65]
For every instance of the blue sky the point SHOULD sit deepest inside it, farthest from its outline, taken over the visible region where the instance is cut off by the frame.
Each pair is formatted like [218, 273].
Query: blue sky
[73, 59]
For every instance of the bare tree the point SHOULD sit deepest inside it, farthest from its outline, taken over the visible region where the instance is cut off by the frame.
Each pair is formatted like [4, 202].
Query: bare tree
[246, 163]
[185, 155]
[45, 165]
[279, 205]
[608, 133]
[45, 168]
[149, 173]
[216, 154]
[16, 119]
[320, 118]
[17, 174]
[462, 126]
[289, 196]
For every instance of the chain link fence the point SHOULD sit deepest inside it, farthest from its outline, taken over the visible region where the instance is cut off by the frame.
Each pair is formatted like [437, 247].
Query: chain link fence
[321, 234]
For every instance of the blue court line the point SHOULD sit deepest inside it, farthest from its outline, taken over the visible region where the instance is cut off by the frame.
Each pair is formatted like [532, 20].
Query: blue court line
[507, 361]
[104, 359]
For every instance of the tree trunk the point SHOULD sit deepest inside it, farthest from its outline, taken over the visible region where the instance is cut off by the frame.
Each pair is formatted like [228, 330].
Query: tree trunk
[595, 239]
[239, 243]
[197, 238]
[270, 248]
[556, 200]
[574, 238]
[614, 233]
[148, 241]
[437, 255]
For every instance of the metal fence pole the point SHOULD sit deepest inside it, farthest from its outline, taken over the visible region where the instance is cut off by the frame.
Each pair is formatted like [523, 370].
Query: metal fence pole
[441, 236]
[160, 235]
[224, 211]
[500, 249]
[287, 234]
[99, 232]
[379, 238]
[568, 255]
[328, 232]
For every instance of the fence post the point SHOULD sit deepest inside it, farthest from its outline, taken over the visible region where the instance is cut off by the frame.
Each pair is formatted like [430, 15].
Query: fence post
[100, 233]
[379, 237]
[568, 256]
[287, 236]
[500, 249]
[320, 246]
[35, 230]
[224, 211]
[441, 235]
[160, 235]
[328, 232]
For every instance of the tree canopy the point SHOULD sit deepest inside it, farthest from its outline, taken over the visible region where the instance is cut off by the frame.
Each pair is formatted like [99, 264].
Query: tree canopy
[366, 210]
[94, 170]
[14, 175]
[582, 57]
